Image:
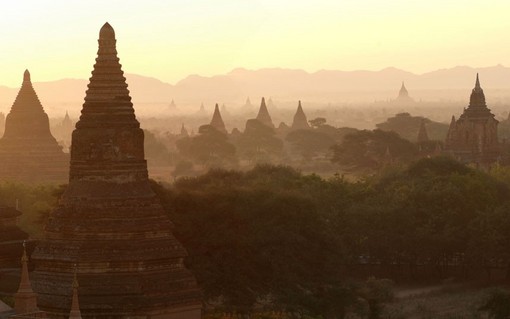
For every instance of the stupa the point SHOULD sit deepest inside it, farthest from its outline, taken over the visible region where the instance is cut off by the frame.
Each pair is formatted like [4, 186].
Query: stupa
[109, 224]
[28, 151]
[403, 95]
[300, 122]
[263, 115]
[217, 121]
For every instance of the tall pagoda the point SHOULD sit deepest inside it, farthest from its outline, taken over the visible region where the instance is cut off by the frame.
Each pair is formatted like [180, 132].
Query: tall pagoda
[109, 222]
[473, 138]
[217, 120]
[300, 122]
[28, 150]
[263, 115]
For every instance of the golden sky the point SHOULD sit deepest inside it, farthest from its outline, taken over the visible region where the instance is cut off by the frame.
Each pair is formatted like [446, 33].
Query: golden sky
[170, 39]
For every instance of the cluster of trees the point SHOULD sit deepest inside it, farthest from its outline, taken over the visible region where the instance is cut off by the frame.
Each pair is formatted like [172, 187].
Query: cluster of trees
[322, 148]
[259, 144]
[274, 237]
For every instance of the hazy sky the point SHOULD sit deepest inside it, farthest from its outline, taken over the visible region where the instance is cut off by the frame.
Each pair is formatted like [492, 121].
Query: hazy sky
[170, 39]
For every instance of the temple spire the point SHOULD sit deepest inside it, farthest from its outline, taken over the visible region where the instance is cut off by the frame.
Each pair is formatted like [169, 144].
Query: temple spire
[75, 304]
[217, 121]
[477, 98]
[25, 300]
[300, 122]
[403, 91]
[26, 76]
[107, 100]
[263, 115]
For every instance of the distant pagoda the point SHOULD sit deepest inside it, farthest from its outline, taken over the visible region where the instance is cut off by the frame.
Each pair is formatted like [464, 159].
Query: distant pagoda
[67, 124]
[217, 121]
[300, 122]
[172, 105]
[247, 105]
[403, 95]
[28, 151]
[109, 222]
[263, 115]
[473, 138]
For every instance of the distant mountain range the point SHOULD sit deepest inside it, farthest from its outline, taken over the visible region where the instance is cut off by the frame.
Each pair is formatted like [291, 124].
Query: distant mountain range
[282, 84]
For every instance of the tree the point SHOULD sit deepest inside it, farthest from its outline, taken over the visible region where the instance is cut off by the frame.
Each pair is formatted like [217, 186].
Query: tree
[497, 304]
[371, 149]
[317, 122]
[258, 143]
[309, 143]
[210, 147]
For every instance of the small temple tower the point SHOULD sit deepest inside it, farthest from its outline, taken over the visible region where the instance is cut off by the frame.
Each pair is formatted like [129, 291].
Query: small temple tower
[473, 138]
[217, 121]
[263, 115]
[248, 105]
[67, 124]
[172, 105]
[422, 133]
[25, 300]
[201, 110]
[184, 131]
[300, 122]
[109, 221]
[403, 95]
[75, 312]
[28, 151]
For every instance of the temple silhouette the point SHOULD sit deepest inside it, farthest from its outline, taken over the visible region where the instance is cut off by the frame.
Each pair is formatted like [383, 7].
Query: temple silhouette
[109, 224]
[473, 138]
[28, 150]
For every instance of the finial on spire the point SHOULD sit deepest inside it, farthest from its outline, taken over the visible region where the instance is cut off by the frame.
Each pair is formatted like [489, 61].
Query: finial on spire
[299, 103]
[477, 84]
[107, 32]
[75, 304]
[26, 76]
[25, 300]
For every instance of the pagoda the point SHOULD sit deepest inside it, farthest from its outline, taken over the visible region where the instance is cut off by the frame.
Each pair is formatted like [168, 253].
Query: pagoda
[263, 115]
[473, 138]
[109, 222]
[217, 121]
[28, 150]
[403, 95]
[300, 122]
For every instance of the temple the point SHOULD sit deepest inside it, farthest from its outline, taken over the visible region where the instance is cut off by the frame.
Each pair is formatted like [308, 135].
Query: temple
[300, 122]
[109, 221]
[473, 138]
[28, 151]
[217, 121]
[247, 105]
[403, 95]
[263, 115]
